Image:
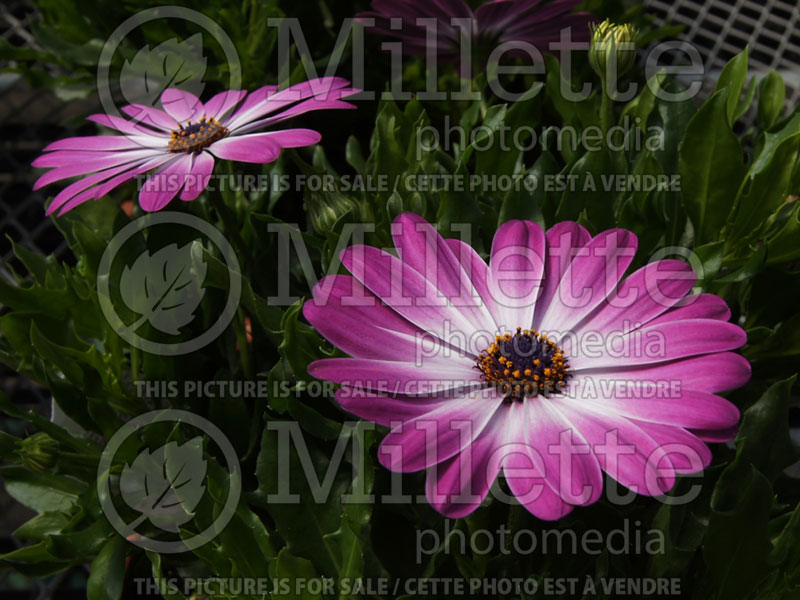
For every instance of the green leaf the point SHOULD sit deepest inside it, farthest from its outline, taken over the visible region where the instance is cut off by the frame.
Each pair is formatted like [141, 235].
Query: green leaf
[354, 155]
[296, 571]
[590, 187]
[748, 100]
[43, 492]
[711, 168]
[303, 522]
[674, 118]
[351, 553]
[388, 157]
[765, 191]
[42, 525]
[268, 316]
[772, 141]
[733, 78]
[34, 561]
[527, 205]
[57, 355]
[768, 419]
[710, 256]
[737, 542]
[166, 590]
[640, 108]
[504, 154]
[81, 544]
[782, 344]
[107, 574]
[54, 431]
[783, 246]
[301, 344]
[771, 99]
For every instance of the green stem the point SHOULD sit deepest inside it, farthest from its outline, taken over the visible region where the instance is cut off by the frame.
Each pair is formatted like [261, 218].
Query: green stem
[606, 111]
[136, 359]
[230, 226]
[516, 519]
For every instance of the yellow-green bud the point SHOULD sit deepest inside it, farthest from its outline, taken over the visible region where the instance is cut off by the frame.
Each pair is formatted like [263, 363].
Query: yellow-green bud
[613, 40]
[38, 452]
[324, 208]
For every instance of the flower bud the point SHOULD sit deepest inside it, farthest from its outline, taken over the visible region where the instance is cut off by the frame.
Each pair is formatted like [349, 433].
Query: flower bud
[610, 40]
[324, 208]
[38, 452]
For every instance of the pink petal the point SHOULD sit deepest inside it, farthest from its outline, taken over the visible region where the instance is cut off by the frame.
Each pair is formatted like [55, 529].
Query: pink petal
[697, 306]
[570, 467]
[478, 273]
[125, 126]
[666, 403]
[329, 103]
[643, 296]
[438, 435]
[246, 148]
[151, 116]
[412, 296]
[95, 142]
[623, 450]
[457, 486]
[387, 410]
[659, 343]
[265, 101]
[523, 469]
[421, 247]
[712, 373]
[590, 278]
[346, 293]
[128, 173]
[75, 166]
[394, 377]
[163, 185]
[182, 106]
[364, 330]
[292, 138]
[685, 451]
[199, 177]
[563, 242]
[517, 267]
[219, 105]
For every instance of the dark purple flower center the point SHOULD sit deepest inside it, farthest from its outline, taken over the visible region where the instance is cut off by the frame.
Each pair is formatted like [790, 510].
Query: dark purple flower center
[524, 364]
[193, 137]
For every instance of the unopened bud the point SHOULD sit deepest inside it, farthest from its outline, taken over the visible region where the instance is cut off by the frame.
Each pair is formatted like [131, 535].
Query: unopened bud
[325, 208]
[38, 452]
[617, 41]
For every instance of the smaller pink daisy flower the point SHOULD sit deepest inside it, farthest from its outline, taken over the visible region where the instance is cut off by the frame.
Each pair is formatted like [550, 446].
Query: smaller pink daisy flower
[495, 22]
[181, 141]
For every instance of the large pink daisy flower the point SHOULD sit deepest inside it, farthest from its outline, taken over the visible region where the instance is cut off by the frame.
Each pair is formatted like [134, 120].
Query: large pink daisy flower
[493, 22]
[546, 364]
[181, 141]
